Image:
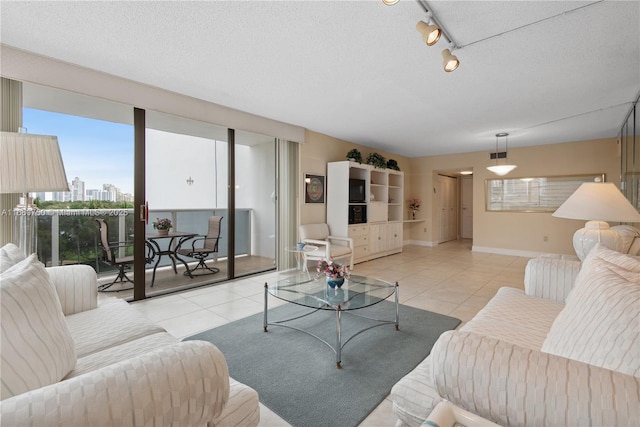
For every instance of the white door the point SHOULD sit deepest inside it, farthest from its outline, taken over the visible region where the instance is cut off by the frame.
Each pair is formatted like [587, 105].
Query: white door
[448, 208]
[466, 205]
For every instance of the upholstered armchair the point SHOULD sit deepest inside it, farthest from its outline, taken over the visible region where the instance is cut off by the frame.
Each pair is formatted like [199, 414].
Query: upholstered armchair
[330, 247]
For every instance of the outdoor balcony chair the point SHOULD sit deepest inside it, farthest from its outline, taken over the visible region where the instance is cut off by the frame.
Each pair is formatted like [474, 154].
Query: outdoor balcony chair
[110, 256]
[200, 247]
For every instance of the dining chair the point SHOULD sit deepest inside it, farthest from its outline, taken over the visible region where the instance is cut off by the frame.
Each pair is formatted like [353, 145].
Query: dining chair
[200, 247]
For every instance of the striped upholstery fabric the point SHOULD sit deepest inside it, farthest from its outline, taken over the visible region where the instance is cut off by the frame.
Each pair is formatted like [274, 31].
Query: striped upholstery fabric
[516, 386]
[112, 323]
[550, 278]
[120, 352]
[600, 324]
[10, 255]
[77, 287]
[510, 315]
[235, 413]
[37, 348]
[185, 384]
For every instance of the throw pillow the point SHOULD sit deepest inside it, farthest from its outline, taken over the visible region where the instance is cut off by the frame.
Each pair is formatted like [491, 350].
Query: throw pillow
[600, 324]
[36, 348]
[10, 255]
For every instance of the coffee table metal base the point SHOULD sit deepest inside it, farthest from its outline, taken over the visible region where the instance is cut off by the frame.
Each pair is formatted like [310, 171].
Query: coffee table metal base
[337, 349]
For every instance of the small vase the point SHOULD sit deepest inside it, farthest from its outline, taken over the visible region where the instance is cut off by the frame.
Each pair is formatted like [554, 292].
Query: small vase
[163, 232]
[335, 282]
[413, 214]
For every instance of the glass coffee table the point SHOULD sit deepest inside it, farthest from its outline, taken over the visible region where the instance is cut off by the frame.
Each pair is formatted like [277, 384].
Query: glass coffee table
[312, 292]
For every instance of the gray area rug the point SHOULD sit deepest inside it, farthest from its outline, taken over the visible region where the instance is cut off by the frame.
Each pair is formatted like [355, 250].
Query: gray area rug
[296, 376]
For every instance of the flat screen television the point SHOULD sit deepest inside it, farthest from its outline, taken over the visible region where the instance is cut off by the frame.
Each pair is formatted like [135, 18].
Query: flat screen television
[357, 191]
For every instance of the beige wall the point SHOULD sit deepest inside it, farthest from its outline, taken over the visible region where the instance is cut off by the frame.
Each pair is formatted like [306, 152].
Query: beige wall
[509, 233]
[513, 232]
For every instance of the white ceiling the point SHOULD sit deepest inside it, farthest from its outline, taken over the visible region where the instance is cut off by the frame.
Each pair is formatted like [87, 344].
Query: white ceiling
[544, 71]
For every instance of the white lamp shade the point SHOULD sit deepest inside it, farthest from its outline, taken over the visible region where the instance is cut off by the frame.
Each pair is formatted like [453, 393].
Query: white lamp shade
[597, 202]
[601, 201]
[31, 163]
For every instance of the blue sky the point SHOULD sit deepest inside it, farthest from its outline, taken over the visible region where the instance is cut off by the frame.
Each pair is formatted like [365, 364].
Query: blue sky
[96, 151]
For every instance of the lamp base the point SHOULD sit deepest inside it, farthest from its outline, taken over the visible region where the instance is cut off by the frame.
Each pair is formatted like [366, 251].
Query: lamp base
[595, 232]
[25, 230]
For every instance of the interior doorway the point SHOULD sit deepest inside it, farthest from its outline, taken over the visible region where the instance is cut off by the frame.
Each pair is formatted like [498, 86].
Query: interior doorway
[466, 207]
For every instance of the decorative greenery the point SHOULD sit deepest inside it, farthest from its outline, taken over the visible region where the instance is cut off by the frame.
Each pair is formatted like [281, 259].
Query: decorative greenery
[414, 204]
[377, 160]
[392, 164]
[162, 224]
[332, 269]
[354, 154]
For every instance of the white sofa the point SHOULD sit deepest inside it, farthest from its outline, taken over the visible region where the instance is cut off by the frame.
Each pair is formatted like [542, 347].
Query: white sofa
[565, 352]
[67, 361]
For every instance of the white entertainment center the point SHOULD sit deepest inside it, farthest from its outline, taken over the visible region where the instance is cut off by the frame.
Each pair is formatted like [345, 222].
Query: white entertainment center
[365, 203]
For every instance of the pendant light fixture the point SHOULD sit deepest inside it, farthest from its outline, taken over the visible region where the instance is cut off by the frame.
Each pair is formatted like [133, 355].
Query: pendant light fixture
[505, 168]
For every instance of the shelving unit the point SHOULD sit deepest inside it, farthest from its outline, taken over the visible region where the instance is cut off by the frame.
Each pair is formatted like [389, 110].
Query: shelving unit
[381, 234]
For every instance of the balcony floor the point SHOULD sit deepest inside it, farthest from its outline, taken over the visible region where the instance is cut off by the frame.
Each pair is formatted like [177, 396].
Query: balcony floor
[167, 281]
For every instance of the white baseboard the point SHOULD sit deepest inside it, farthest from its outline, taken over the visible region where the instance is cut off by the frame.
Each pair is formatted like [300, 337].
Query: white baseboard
[503, 251]
[420, 243]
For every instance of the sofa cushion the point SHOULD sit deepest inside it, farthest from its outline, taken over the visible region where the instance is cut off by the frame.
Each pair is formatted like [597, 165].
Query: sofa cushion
[37, 348]
[111, 355]
[600, 323]
[113, 323]
[10, 255]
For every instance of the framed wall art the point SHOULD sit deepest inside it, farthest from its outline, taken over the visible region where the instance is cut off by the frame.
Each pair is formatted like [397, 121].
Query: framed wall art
[314, 188]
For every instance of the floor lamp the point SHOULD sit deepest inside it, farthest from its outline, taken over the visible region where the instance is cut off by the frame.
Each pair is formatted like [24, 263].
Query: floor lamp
[30, 163]
[597, 202]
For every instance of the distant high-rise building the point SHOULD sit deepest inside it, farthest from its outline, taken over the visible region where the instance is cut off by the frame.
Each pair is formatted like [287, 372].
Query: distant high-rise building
[77, 190]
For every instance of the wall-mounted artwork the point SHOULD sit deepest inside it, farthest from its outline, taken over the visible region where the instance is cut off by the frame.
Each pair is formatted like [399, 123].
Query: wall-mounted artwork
[314, 188]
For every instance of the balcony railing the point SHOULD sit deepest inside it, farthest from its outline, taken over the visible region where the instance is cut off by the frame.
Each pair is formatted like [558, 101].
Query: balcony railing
[70, 236]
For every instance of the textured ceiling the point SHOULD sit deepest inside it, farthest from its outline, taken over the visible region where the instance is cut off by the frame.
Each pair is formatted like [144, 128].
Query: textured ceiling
[544, 71]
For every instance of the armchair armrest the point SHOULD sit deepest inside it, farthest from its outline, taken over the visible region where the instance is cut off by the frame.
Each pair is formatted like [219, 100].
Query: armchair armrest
[550, 278]
[513, 385]
[348, 240]
[183, 385]
[76, 286]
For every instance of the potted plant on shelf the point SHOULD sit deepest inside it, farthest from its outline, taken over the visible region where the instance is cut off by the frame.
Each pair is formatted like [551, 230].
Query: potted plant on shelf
[354, 155]
[414, 206]
[163, 225]
[336, 273]
[377, 160]
[392, 164]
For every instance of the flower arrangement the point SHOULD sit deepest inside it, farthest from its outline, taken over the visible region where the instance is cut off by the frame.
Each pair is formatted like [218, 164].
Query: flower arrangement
[332, 269]
[414, 204]
[162, 224]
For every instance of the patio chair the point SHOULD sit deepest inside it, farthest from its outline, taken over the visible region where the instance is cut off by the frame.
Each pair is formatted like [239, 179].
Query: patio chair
[331, 248]
[110, 256]
[200, 247]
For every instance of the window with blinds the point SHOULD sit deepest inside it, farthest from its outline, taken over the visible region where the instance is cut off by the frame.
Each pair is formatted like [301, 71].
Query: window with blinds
[540, 194]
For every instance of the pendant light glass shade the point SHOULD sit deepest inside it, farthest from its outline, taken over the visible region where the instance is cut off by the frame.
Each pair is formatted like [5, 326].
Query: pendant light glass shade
[504, 169]
[430, 33]
[450, 61]
[501, 170]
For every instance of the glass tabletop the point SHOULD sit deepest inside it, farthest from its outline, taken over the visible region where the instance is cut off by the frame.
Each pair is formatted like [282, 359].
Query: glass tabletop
[313, 292]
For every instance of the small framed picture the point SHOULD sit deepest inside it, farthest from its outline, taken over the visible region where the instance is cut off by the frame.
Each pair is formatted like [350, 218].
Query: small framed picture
[313, 188]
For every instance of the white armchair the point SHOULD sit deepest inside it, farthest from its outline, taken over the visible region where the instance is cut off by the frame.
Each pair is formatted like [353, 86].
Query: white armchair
[330, 247]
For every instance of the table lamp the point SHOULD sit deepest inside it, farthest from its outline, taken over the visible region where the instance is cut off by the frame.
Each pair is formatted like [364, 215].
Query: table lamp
[597, 202]
[30, 163]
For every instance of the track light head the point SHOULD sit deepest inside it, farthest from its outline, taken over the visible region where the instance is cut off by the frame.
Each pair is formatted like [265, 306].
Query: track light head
[450, 61]
[390, 2]
[430, 33]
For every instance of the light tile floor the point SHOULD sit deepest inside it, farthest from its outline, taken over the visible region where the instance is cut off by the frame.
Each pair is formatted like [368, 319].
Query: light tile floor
[447, 279]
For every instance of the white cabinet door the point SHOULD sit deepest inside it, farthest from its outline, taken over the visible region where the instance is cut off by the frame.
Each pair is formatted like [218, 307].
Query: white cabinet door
[394, 236]
[378, 238]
